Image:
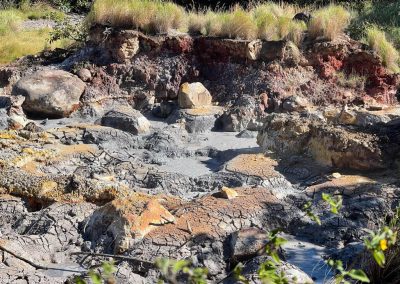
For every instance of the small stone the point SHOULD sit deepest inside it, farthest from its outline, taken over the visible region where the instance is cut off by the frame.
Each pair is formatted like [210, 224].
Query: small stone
[85, 75]
[33, 127]
[193, 95]
[347, 116]
[336, 175]
[228, 193]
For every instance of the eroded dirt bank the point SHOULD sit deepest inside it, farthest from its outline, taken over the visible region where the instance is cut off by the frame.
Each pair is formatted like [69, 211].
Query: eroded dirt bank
[107, 150]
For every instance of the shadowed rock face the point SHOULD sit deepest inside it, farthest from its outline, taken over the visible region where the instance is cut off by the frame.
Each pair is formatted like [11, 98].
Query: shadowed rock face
[335, 147]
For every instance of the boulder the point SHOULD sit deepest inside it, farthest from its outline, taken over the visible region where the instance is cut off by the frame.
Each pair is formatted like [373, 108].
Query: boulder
[347, 116]
[194, 95]
[50, 93]
[128, 219]
[128, 120]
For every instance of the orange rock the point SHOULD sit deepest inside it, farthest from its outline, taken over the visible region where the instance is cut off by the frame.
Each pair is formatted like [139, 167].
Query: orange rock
[228, 193]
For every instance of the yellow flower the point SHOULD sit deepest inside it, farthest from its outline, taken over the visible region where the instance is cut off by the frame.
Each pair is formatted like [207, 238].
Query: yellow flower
[383, 244]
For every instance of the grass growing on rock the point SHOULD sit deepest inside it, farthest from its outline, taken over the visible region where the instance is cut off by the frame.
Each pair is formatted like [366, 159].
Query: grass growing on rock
[269, 21]
[149, 16]
[16, 41]
[329, 22]
[376, 38]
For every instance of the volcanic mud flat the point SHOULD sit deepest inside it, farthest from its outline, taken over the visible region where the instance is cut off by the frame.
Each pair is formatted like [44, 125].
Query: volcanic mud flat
[137, 147]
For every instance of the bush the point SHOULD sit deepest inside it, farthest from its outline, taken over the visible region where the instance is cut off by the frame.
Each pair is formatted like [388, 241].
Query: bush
[329, 22]
[390, 56]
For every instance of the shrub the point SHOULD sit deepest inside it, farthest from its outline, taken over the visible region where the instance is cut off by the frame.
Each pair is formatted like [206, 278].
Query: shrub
[329, 22]
[378, 41]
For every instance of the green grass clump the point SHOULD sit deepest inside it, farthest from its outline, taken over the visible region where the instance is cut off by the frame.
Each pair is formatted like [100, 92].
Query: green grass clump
[384, 14]
[390, 56]
[9, 20]
[329, 22]
[16, 42]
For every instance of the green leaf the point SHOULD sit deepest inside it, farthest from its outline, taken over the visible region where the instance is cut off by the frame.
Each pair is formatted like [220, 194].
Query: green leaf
[358, 274]
[379, 257]
[275, 257]
[108, 269]
[79, 280]
[179, 265]
[95, 277]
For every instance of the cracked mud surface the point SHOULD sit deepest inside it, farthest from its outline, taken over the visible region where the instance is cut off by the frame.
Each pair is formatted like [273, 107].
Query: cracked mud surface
[83, 187]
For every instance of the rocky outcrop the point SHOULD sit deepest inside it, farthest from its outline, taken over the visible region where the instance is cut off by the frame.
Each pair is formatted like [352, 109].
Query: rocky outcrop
[50, 93]
[289, 135]
[245, 114]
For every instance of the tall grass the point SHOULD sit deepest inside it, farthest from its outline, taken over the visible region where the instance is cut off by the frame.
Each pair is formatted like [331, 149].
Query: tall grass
[238, 24]
[390, 56]
[329, 22]
[267, 21]
[147, 15]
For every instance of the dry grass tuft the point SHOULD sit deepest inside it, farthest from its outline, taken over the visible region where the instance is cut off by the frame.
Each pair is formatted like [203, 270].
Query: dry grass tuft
[147, 15]
[329, 22]
[390, 56]
[239, 24]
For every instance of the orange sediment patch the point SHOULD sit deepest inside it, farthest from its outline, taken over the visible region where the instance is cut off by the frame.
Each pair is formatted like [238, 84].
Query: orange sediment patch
[203, 111]
[253, 165]
[348, 182]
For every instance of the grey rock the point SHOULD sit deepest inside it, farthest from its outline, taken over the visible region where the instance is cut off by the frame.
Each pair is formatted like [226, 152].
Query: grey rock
[197, 120]
[247, 134]
[295, 103]
[365, 119]
[128, 120]
[292, 273]
[245, 114]
[3, 119]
